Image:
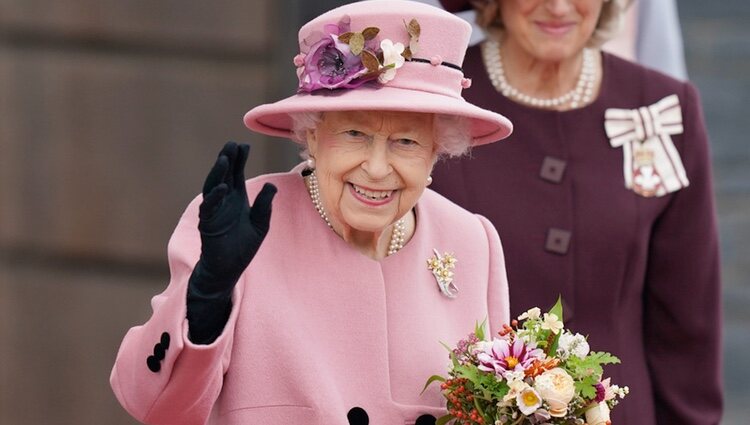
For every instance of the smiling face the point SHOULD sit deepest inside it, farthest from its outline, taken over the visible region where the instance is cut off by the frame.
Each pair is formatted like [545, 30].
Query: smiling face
[550, 30]
[372, 166]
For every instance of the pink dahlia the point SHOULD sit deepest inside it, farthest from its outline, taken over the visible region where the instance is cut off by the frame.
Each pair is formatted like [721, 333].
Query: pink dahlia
[503, 356]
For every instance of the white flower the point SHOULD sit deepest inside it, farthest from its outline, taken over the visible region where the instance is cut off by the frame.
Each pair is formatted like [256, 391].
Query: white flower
[516, 387]
[391, 56]
[557, 388]
[528, 401]
[552, 322]
[515, 375]
[533, 314]
[528, 336]
[575, 345]
[481, 347]
[598, 415]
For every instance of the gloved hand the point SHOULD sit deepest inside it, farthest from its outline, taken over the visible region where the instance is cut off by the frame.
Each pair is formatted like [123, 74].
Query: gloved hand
[231, 233]
[231, 230]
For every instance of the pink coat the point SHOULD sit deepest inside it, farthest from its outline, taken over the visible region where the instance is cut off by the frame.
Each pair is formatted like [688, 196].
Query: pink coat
[317, 329]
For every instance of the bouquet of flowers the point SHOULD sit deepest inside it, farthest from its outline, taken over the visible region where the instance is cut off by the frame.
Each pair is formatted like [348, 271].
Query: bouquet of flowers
[534, 372]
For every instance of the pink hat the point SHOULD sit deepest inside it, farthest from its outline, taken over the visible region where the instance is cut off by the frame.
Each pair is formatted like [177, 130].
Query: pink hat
[391, 55]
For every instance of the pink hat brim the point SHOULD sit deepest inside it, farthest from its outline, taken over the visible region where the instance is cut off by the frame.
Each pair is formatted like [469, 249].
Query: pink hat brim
[273, 119]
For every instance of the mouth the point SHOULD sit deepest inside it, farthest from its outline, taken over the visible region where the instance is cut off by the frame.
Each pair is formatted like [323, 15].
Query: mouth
[555, 28]
[371, 196]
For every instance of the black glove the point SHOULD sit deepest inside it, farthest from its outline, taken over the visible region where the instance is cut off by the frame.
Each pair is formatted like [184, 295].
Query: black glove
[231, 233]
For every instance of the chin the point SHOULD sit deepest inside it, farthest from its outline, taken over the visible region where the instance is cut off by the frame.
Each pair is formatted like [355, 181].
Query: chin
[370, 226]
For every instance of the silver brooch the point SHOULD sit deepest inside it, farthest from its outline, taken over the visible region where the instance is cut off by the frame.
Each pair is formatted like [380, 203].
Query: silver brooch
[442, 267]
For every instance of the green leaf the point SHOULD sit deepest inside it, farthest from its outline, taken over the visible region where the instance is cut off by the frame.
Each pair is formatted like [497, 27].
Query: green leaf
[557, 310]
[454, 359]
[586, 387]
[432, 379]
[444, 419]
[602, 357]
[479, 329]
[479, 408]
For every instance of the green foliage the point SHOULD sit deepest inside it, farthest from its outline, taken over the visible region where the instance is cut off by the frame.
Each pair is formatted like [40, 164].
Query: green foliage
[444, 419]
[432, 379]
[588, 371]
[585, 387]
[479, 329]
[485, 384]
[557, 310]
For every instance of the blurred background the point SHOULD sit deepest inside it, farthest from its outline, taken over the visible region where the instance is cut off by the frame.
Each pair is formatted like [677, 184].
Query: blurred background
[111, 113]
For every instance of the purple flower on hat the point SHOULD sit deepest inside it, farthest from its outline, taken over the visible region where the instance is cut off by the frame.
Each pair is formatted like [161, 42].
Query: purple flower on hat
[330, 63]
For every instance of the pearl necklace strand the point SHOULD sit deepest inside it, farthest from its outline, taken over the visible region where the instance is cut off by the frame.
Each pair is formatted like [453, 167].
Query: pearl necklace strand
[580, 95]
[398, 234]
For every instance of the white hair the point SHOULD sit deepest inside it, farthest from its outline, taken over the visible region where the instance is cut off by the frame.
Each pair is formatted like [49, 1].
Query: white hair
[452, 132]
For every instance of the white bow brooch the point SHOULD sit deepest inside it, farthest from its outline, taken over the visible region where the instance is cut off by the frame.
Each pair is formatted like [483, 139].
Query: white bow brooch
[651, 163]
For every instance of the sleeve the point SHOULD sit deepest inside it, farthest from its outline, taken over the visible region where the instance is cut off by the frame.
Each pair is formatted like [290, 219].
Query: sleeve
[159, 376]
[497, 290]
[682, 304]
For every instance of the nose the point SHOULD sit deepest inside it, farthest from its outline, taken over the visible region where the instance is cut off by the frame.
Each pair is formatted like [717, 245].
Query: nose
[558, 7]
[377, 164]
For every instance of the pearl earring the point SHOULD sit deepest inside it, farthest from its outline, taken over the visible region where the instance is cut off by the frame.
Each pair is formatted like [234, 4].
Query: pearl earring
[429, 180]
[310, 163]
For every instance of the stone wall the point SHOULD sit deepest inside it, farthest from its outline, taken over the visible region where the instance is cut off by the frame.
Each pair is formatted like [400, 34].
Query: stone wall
[111, 113]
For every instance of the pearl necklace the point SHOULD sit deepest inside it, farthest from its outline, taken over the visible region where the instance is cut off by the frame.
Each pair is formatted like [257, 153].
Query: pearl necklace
[580, 95]
[398, 235]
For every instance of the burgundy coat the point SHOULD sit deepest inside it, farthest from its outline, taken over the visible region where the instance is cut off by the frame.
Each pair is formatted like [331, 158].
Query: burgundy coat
[639, 276]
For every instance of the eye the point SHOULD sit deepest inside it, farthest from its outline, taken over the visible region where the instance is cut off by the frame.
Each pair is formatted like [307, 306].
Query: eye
[407, 142]
[355, 133]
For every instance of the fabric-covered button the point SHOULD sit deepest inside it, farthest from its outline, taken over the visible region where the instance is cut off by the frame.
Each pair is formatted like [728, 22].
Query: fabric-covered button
[358, 416]
[165, 340]
[153, 364]
[159, 351]
[425, 420]
[558, 241]
[552, 169]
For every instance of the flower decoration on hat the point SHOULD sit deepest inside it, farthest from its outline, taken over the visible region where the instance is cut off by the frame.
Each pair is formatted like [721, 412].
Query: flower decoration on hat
[442, 267]
[338, 57]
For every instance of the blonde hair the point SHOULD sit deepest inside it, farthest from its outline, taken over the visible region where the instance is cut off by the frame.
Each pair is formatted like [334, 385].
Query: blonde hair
[452, 132]
[610, 19]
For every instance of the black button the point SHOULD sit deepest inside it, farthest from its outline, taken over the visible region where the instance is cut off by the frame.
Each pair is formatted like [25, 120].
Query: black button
[425, 420]
[165, 340]
[159, 351]
[552, 169]
[153, 364]
[358, 416]
[558, 241]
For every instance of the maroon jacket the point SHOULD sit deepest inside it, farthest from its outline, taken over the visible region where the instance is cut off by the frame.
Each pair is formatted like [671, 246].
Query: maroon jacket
[639, 276]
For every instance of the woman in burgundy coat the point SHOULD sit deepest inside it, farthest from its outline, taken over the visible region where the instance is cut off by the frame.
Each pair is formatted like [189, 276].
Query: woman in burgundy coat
[602, 195]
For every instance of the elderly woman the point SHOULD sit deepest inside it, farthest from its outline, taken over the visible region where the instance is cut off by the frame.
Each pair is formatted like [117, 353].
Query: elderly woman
[327, 311]
[603, 195]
